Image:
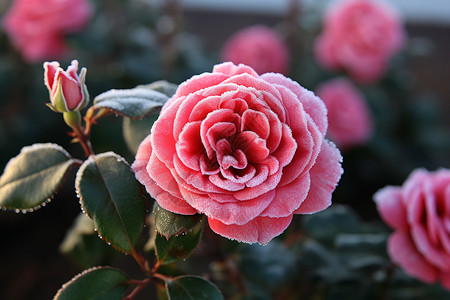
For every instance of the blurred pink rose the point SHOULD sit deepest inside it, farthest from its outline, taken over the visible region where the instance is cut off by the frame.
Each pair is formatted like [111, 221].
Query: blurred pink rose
[37, 27]
[259, 47]
[419, 213]
[349, 119]
[248, 151]
[360, 37]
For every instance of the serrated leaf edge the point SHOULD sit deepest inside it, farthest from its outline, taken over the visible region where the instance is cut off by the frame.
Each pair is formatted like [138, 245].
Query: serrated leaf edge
[189, 276]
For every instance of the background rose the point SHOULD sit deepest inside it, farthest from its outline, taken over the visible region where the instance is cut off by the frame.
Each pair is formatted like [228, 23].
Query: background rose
[259, 47]
[359, 36]
[37, 27]
[349, 120]
[419, 212]
[248, 151]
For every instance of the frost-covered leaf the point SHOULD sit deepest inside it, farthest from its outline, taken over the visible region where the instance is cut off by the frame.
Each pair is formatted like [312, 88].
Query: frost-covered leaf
[101, 283]
[170, 224]
[33, 177]
[111, 196]
[133, 103]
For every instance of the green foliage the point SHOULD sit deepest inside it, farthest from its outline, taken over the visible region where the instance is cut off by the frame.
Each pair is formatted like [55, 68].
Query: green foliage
[192, 288]
[111, 196]
[33, 177]
[178, 247]
[171, 224]
[102, 283]
[132, 103]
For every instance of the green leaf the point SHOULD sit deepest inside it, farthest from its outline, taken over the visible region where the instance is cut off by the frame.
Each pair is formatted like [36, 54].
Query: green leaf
[133, 103]
[134, 131]
[171, 224]
[82, 245]
[161, 86]
[32, 178]
[112, 198]
[192, 288]
[177, 247]
[101, 283]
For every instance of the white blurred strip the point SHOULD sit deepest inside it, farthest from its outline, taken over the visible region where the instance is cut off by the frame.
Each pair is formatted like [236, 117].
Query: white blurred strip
[417, 11]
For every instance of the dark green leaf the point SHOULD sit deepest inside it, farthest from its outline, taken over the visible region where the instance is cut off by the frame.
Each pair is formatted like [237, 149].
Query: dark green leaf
[177, 247]
[169, 224]
[133, 103]
[134, 131]
[101, 283]
[192, 288]
[111, 196]
[33, 177]
[83, 246]
[161, 86]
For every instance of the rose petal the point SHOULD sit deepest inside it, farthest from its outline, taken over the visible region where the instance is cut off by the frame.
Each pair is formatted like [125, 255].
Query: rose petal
[434, 255]
[228, 212]
[325, 175]
[161, 135]
[199, 82]
[256, 122]
[390, 207]
[259, 230]
[231, 69]
[71, 90]
[403, 252]
[311, 103]
[288, 198]
[189, 147]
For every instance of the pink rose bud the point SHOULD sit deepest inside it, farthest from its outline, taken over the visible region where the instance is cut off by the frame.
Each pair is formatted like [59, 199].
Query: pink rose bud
[248, 151]
[360, 37]
[259, 47]
[349, 118]
[419, 213]
[67, 89]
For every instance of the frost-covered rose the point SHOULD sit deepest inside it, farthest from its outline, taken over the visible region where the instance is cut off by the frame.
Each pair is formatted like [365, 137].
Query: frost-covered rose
[67, 89]
[259, 47]
[248, 151]
[360, 37]
[419, 213]
[349, 120]
[37, 27]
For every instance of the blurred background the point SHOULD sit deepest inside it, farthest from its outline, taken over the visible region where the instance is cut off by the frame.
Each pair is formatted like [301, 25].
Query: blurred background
[125, 43]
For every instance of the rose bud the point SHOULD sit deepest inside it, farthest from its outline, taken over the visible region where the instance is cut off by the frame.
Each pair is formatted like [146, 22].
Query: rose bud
[67, 89]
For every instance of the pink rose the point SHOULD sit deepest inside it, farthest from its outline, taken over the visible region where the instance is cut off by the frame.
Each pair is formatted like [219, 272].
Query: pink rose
[67, 89]
[349, 120]
[360, 37]
[248, 151]
[37, 27]
[259, 47]
[419, 213]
